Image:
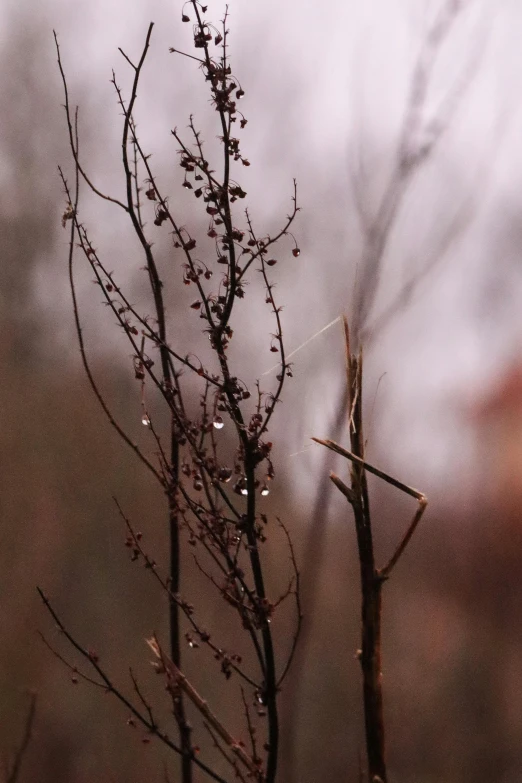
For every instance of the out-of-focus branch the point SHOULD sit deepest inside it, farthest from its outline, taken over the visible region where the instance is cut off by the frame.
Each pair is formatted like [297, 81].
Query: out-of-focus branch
[417, 142]
[13, 771]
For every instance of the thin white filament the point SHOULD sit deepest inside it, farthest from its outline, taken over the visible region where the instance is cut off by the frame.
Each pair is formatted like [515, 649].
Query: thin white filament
[277, 366]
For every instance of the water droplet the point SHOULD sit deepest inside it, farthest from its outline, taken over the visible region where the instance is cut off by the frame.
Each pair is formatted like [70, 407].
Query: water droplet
[225, 474]
[145, 420]
[244, 491]
[218, 422]
[264, 490]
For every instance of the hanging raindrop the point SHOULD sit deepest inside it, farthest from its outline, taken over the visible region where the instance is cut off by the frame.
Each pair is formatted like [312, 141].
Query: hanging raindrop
[218, 422]
[264, 490]
[260, 697]
[145, 420]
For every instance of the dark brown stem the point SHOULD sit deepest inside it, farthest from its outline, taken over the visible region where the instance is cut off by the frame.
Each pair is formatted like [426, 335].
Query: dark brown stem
[372, 578]
[371, 583]
[370, 657]
[270, 684]
[156, 288]
[185, 729]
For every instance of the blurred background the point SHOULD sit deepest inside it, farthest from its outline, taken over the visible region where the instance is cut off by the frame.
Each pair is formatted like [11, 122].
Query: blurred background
[401, 123]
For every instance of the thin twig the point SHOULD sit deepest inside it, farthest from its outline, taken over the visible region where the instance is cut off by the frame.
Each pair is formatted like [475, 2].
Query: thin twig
[13, 773]
[111, 688]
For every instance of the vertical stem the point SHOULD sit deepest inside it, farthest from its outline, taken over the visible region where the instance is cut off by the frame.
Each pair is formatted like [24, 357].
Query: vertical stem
[371, 581]
[372, 674]
[174, 612]
[270, 690]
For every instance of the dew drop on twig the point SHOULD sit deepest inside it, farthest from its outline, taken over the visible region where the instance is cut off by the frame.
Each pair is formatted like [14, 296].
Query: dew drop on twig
[218, 422]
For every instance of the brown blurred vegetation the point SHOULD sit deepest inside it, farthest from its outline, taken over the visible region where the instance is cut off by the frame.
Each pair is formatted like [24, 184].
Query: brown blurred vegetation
[452, 613]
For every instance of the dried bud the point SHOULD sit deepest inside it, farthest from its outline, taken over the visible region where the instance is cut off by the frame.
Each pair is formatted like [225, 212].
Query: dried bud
[161, 216]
